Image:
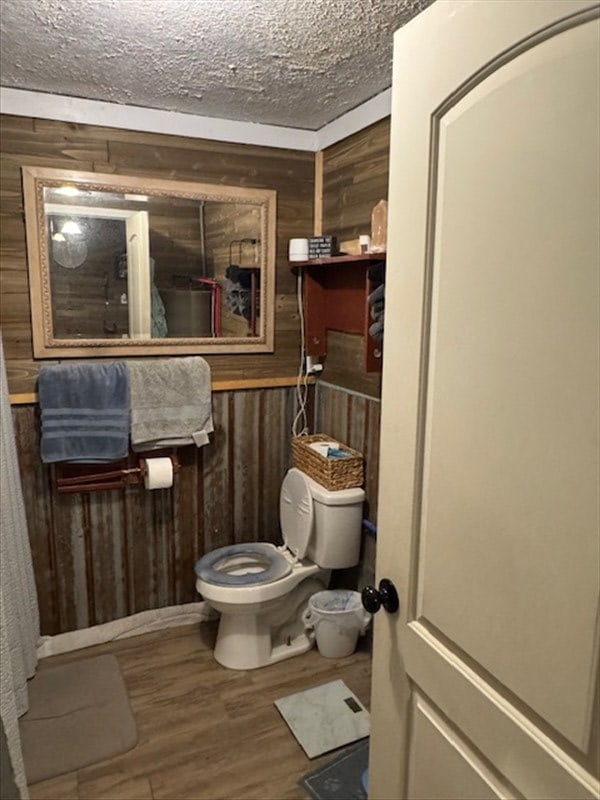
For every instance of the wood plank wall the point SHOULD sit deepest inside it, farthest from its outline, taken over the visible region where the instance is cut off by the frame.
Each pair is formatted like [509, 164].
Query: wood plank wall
[95, 149]
[355, 178]
[104, 555]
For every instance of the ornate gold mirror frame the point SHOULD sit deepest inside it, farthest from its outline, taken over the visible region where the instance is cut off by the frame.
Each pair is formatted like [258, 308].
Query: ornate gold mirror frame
[126, 193]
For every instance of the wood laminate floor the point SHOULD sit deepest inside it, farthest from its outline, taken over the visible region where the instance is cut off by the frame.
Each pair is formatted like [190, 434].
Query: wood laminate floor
[205, 732]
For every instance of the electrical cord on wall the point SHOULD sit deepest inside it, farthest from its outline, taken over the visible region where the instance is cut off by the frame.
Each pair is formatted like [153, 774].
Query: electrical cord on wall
[302, 379]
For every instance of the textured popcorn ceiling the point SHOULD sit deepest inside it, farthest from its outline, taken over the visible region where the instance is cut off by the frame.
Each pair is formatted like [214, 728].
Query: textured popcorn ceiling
[298, 63]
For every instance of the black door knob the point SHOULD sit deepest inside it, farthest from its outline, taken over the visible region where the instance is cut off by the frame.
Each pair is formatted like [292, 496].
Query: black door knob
[386, 596]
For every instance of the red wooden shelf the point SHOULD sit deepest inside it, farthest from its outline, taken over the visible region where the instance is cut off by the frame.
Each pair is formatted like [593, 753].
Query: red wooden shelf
[335, 298]
[364, 259]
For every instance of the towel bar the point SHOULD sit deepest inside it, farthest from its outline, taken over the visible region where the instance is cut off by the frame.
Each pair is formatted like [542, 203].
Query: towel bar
[110, 479]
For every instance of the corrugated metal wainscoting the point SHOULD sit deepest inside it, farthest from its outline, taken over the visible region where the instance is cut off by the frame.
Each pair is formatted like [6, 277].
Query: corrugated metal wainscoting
[104, 555]
[354, 419]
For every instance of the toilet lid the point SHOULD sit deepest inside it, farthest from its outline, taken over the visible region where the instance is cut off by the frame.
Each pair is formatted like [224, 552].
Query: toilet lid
[259, 562]
[296, 512]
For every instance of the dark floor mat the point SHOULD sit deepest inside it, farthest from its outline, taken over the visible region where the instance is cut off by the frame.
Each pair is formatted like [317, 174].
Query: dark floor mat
[342, 778]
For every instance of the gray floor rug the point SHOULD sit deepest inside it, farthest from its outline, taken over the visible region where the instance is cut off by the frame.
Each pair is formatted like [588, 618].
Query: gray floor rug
[342, 778]
[79, 714]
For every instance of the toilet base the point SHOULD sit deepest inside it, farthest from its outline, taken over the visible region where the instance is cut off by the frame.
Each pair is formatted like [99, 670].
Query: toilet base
[245, 643]
[250, 641]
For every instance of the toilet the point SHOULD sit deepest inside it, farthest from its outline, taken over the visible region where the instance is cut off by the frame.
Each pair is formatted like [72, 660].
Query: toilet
[262, 590]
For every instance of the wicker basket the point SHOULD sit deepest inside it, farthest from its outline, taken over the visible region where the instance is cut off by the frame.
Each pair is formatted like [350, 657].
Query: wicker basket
[332, 473]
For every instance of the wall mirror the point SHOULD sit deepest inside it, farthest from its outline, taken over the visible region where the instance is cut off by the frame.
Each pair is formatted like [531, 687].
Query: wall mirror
[124, 265]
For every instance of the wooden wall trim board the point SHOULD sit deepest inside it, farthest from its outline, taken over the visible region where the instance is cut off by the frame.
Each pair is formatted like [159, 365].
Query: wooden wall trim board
[318, 215]
[218, 386]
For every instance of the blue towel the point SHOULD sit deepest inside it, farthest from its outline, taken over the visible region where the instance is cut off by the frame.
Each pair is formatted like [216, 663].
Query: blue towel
[85, 412]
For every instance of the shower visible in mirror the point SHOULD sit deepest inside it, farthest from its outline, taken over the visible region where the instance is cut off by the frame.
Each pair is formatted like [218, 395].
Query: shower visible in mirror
[126, 265]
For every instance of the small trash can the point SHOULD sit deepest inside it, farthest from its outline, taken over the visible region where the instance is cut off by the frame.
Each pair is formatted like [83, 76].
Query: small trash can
[337, 618]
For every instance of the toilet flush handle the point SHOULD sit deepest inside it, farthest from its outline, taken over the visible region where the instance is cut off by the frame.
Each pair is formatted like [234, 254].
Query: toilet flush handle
[386, 595]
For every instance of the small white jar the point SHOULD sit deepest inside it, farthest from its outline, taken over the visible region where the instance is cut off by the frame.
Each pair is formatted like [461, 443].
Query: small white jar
[298, 250]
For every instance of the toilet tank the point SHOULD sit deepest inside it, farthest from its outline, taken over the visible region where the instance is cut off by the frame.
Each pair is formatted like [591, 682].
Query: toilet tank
[336, 536]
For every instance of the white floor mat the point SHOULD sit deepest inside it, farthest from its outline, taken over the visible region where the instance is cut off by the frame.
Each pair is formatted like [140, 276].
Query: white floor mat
[325, 717]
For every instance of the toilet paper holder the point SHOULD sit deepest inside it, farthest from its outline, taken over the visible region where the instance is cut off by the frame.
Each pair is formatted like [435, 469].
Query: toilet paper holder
[131, 474]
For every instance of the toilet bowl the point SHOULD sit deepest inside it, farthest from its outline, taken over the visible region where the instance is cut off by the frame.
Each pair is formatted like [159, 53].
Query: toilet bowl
[262, 590]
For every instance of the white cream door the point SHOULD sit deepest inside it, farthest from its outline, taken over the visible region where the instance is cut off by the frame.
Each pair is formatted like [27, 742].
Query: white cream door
[485, 681]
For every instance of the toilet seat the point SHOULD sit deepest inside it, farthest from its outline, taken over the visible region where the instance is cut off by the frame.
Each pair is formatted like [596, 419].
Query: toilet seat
[216, 567]
[262, 562]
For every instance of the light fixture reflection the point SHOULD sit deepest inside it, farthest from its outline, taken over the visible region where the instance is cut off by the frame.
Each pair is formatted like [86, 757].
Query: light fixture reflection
[71, 228]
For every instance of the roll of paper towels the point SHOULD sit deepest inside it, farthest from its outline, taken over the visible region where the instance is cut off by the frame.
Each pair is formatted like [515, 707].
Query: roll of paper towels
[159, 473]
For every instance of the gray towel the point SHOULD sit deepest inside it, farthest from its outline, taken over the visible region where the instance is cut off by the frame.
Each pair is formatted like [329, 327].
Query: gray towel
[170, 403]
[85, 412]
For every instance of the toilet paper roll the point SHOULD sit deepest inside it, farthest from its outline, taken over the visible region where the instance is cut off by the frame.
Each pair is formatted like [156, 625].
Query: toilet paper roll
[159, 473]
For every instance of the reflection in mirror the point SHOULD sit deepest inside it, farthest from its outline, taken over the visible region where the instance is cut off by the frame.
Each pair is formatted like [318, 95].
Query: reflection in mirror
[130, 265]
